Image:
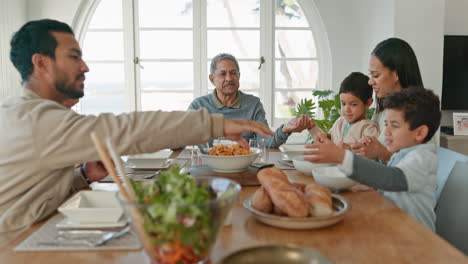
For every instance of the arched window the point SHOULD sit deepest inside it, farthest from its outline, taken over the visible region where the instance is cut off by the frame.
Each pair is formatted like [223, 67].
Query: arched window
[155, 54]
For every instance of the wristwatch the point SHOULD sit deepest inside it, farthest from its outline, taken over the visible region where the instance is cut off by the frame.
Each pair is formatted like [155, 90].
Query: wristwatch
[85, 176]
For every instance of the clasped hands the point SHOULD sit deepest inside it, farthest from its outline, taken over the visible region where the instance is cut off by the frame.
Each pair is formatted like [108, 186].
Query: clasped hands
[298, 124]
[325, 151]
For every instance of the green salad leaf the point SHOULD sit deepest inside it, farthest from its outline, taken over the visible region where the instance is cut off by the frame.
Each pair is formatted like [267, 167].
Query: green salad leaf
[177, 210]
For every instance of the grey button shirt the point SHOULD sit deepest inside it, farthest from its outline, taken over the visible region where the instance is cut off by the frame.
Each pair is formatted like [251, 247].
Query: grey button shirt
[245, 106]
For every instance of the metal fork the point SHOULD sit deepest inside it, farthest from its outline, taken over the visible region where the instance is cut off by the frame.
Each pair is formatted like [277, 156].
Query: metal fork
[110, 236]
[86, 242]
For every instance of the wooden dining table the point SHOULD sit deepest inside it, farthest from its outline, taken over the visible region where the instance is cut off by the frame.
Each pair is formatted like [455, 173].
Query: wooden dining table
[373, 230]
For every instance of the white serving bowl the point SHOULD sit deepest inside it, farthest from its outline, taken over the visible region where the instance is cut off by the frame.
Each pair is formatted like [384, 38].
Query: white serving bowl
[230, 163]
[92, 207]
[332, 177]
[306, 166]
[291, 151]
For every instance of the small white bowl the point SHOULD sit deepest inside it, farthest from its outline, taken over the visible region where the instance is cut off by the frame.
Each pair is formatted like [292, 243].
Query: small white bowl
[92, 207]
[229, 164]
[306, 166]
[292, 151]
[332, 177]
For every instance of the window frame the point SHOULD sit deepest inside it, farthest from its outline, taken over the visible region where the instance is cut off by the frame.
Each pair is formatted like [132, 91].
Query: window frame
[86, 10]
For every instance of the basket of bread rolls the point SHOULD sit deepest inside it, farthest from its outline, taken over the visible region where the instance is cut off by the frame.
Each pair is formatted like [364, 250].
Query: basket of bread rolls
[281, 203]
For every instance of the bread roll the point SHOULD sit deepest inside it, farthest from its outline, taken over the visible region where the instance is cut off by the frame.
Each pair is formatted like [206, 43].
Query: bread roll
[262, 201]
[319, 199]
[283, 194]
[278, 211]
[300, 186]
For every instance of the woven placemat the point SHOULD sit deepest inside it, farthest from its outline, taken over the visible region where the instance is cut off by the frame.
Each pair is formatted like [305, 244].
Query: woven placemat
[48, 234]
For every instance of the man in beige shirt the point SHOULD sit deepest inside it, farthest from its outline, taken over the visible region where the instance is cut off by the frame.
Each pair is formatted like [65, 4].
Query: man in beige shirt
[42, 139]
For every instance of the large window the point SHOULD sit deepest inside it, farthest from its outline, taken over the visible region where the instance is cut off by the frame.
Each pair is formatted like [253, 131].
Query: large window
[155, 54]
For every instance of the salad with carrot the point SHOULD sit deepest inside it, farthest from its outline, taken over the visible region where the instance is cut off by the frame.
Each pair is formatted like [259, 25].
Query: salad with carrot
[179, 216]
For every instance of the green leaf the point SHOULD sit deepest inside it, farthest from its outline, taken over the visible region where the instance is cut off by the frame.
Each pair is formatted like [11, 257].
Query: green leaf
[370, 112]
[329, 103]
[322, 94]
[305, 107]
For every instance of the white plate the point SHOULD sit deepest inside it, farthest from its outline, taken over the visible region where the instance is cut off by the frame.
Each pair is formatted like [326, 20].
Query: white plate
[148, 164]
[340, 206]
[66, 223]
[162, 154]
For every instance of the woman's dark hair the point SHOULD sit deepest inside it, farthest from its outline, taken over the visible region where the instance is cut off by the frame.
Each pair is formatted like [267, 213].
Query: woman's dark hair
[420, 107]
[358, 84]
[397, 55]
[34, 37]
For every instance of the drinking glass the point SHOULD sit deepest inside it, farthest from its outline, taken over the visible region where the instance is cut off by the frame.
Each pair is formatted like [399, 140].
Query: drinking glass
[259, 143]
[195, 156]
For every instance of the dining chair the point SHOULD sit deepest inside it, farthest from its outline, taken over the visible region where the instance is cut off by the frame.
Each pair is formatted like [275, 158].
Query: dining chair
[447, 159]
[451, 210]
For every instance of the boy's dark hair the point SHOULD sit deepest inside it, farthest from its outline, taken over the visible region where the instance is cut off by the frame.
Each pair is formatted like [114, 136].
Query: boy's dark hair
[34, 37]
[358, 84]
[420, 107]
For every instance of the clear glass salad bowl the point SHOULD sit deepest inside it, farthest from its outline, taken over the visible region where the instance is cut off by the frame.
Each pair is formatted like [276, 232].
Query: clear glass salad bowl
[177, 218]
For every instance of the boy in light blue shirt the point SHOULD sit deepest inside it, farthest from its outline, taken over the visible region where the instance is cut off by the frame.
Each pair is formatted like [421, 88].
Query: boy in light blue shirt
[409, 178]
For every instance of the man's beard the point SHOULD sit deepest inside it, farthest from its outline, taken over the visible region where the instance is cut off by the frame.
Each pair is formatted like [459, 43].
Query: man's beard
[69, 90]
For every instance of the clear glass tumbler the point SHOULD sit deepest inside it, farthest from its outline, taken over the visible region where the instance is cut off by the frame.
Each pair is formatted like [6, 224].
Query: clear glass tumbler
[259, 143]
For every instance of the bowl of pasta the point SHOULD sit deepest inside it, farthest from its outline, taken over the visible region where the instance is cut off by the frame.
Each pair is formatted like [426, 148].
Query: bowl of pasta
[227, 159]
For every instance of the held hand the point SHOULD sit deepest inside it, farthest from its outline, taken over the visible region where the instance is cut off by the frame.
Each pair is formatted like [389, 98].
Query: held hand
[297, 125]
[95, 170]
[233, 129]
[371, 148]
[311, 123]
[325, 153]
[344, 145]
[322, 138]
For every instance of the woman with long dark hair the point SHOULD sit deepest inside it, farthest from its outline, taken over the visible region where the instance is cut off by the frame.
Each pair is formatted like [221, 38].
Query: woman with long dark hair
[392, 67]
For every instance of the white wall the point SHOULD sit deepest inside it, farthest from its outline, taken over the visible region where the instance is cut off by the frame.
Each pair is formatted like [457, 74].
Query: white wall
[345, 34]
[12, 16]
[62, 10]
[456, 17]
[377, 19]
[421, 24]
[456, 23]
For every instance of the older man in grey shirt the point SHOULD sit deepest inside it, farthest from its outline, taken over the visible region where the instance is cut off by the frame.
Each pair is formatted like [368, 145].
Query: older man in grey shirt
[226, 99]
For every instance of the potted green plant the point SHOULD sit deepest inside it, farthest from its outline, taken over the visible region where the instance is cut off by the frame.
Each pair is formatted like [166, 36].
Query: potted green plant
[330, 105]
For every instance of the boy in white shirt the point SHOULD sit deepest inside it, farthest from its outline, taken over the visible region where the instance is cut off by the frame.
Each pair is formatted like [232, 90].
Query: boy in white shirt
[409, 178]
[355, 97]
